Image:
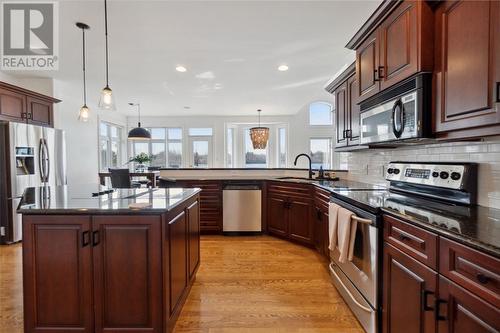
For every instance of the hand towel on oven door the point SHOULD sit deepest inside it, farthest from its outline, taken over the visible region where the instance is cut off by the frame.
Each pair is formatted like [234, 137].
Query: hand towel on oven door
[342, 231]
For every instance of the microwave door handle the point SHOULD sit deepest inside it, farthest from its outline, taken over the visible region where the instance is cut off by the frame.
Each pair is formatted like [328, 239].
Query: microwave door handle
[398, 108]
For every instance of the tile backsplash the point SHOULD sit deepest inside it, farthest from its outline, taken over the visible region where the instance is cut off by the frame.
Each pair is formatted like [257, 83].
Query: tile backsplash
[369, 165]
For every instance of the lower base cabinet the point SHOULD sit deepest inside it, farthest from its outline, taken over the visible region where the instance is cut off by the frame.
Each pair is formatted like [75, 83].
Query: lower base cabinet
[109, 273]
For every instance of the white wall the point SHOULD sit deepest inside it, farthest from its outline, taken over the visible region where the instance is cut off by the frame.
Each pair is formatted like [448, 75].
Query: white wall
[40, 85]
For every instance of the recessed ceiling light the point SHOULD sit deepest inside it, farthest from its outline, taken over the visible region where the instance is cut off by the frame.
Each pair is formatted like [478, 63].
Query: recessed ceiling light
[181, 69]
[283, 68]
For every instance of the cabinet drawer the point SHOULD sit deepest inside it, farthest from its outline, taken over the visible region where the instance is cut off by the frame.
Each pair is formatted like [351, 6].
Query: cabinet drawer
[416, 242]
[473, 270]
[293, 190]
[322, 199]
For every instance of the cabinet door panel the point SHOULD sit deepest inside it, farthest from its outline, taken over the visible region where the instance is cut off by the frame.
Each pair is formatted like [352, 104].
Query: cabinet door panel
[276, 216]
[127, 274]
[40, 112]
[178, 259]
[353, 119]
[340, 115]
[407, 285]
[463, 312]
[56, 258]
[398, 55]
[366, 67]
[300, 222]
[465, 60]
[194, 237]
[12, 105]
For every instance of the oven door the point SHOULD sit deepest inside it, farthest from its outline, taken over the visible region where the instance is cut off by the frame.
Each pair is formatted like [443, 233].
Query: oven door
[362, 271]
[394, 120]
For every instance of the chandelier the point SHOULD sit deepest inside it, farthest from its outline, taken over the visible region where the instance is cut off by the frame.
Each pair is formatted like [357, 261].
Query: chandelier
[259, 135]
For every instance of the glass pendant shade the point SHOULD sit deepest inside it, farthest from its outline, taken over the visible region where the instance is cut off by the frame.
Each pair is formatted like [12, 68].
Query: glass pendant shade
[139, 133]
[107, 100]
[84, 114]
[259, 136]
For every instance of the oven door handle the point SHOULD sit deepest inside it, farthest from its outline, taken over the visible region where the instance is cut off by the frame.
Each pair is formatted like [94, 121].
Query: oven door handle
[367, 309]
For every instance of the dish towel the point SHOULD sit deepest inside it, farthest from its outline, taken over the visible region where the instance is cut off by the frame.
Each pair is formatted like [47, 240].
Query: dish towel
[346, 234]
[332, 225]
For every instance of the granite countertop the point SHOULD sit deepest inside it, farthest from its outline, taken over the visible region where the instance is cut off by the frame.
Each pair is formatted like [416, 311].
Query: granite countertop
[84, 199]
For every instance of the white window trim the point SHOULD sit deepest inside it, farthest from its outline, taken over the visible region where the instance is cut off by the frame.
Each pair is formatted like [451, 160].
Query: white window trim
[109, 140]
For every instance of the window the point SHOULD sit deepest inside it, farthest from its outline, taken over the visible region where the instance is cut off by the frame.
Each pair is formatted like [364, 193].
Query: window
[110, 141]
[282, 147]
[320, 153]
[254, 158]
[320, 114]
[200, 132]
[230, 148]
[200, 147]
[165, 147]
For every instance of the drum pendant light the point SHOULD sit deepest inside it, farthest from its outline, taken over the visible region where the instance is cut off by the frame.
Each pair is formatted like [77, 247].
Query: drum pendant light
[107, 101]
[84, 113]
[259, 135]
[138, 133]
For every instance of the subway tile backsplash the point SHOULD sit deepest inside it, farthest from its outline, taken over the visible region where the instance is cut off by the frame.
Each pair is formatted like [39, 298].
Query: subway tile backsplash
[369, 165]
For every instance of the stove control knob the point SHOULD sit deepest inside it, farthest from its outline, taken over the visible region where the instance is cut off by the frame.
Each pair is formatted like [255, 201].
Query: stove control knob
[390, 171]
[396, 171]
[444, 175]
[435, 174]
[455, 175]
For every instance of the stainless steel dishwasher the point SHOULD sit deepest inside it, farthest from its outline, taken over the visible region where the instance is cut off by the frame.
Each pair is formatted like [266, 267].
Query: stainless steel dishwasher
[242, 208]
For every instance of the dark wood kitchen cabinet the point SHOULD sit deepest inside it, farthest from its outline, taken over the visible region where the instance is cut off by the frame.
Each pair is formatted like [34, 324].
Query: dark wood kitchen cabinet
[178, 258]
[395, 43]
[193, 213]
[57, 260]
[22, 105]
[467, 67]
[345, 91]
[289, 212]
[460, 294]
[127, 276]
[321, 221]
[406, 281]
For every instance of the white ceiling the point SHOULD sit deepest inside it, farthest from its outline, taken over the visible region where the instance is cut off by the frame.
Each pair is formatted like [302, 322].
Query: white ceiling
[231, 49]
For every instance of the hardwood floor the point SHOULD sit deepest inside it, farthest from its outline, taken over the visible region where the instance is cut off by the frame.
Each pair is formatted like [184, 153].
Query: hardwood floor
[244, 285]
[262, 284]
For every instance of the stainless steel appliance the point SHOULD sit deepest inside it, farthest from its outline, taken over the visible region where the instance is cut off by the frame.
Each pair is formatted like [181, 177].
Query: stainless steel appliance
[241, 207]
[33, 156]
[439, 193]
[398, 115]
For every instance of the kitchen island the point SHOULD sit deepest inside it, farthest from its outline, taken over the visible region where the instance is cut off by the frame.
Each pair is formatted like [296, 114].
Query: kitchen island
[97, 259]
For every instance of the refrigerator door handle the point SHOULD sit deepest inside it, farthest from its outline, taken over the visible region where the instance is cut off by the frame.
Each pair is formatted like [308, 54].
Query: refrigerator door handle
[47, 160]
[43, 160]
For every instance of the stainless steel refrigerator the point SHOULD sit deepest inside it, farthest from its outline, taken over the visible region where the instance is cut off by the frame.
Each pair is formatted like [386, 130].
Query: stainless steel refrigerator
[30, 156]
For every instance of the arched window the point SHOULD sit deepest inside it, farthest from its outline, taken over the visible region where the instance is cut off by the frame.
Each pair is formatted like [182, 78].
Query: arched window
[320, 114]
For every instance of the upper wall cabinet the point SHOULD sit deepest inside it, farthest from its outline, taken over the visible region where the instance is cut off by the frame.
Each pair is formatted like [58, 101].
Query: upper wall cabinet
[467, 69]
[395, 43]
[345, 90]
[21, 105]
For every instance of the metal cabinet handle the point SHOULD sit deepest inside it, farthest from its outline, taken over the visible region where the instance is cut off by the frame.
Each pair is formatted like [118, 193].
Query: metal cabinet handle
[30, 116]
[483, 279]
[375, 75]
[95, 238]
[437, 314]
[85, 238]
[404, 237]
[381, 72]
[498, 92]
[425, 294]
[24, 115]
[348, 134]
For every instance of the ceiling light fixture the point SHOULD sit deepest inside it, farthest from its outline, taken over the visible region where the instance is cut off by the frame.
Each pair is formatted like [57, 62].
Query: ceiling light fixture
[84, 113]
[283, 68]
[138, 133]
[181, 69]
[259, 135]
[107, 101]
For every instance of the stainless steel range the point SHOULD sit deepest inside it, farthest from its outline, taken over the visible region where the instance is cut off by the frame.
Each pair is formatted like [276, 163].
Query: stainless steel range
[439, 193]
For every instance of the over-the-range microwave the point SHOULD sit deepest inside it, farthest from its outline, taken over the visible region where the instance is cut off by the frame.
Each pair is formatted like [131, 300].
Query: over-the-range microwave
[402, 114]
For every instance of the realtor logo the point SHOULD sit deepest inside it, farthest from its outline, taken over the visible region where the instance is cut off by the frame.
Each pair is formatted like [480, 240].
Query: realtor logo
[29, 36]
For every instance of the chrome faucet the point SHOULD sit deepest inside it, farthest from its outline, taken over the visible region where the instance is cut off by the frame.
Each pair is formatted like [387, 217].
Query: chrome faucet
[311, 173]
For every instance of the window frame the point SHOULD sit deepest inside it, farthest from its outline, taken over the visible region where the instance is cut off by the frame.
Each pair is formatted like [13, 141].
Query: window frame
[332, 117]
[166, 144]
[109, 139]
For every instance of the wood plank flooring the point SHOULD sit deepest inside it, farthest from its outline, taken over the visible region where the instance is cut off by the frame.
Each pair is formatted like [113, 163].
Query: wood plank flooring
[255, 284]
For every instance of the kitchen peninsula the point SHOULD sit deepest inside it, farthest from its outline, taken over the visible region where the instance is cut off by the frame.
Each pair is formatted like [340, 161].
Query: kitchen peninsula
[97, 259]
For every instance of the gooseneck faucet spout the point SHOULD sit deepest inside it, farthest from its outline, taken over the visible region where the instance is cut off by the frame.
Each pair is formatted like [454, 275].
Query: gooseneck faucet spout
[310, 163]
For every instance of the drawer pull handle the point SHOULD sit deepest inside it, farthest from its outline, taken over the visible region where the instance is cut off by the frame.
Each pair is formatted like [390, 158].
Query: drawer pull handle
[483, 279]
[404, 237]
[85, 238]
[425, 294]
[437, 313]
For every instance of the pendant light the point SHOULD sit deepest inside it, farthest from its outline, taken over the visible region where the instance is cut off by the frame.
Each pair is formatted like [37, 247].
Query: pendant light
[259, 135]
[107, 101]
[138, 133]
[84, 113]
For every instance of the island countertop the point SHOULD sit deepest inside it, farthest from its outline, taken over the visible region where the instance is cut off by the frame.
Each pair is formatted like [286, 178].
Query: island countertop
[95, 198]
